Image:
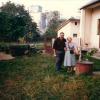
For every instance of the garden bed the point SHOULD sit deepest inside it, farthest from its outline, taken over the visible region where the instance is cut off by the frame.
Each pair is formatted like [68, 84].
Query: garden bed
[18, 49]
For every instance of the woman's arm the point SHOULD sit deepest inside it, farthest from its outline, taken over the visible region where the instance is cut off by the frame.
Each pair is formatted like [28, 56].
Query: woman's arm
[76, 49]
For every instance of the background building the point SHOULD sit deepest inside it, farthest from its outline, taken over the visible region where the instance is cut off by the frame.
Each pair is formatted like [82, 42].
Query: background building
[52, 15]
[70, 27]
[36, 13]
[42, 18]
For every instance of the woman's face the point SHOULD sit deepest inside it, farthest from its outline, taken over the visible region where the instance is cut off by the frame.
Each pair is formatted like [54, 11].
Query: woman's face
[69, 39]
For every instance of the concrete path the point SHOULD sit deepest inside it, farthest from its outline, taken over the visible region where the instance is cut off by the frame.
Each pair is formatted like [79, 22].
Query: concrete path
[96, 73]
[96, 55]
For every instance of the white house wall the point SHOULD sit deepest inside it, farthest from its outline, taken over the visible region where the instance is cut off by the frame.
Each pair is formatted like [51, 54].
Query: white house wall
[88, 26]
[66, 29]
[85, 26]
[87, 32]
[70, 28]
[75, 28]
[95, 37]
[82, 26]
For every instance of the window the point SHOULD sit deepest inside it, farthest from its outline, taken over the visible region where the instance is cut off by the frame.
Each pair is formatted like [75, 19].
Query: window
[98, 27]
[75, 23]
[74, 34]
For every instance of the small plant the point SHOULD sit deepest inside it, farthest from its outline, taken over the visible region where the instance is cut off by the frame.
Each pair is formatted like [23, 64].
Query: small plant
[92, 51]
[85, 54]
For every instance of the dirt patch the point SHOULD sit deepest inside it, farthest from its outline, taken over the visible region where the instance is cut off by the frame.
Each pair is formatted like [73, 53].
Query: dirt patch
[4, 56]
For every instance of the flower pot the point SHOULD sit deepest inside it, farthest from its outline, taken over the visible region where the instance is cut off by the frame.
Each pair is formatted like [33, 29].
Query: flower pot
[84, 67]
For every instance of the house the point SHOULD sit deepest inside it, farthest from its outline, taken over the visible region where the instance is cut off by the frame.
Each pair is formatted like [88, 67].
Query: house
[90, 24]
[70, 27]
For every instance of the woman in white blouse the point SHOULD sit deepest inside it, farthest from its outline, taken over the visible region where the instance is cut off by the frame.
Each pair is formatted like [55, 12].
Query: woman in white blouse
[70, 51]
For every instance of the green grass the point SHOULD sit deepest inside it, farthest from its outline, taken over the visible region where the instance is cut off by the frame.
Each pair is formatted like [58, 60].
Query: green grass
[96, 65]
[39, 45]
[35, 78]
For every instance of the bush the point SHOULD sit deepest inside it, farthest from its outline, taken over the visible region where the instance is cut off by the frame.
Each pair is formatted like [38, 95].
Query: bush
[87, 54]
[92, 51]
[4, 48]
[19, 50]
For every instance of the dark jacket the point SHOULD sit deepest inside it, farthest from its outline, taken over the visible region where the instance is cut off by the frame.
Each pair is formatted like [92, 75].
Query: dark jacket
[59, 44]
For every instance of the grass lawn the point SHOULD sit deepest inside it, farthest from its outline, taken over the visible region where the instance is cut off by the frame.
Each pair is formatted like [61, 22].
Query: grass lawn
[35, 78]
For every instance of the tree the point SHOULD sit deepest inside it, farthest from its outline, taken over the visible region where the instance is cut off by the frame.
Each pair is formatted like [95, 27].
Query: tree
[53, 25]
[15, 22]
[52, 28]
[4, 26]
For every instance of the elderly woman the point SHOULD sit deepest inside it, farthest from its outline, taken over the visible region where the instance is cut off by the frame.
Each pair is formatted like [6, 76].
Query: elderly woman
[70, 51]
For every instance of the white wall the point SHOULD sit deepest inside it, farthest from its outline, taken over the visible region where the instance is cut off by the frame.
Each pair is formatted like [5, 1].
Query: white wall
[88, 26]
[66, 29]
[85, 26]
[69, 29]
[95, 38]
[75, 28]
[82, 26]
[87, 32]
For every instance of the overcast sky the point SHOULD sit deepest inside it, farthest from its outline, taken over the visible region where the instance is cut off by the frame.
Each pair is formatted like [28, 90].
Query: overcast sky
[67, 8]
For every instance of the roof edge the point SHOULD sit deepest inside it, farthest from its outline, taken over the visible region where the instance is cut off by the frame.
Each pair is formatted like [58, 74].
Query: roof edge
[66, 22]
[89, 4]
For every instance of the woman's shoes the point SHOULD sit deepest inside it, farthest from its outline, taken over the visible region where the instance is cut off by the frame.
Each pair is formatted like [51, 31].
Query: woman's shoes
[70, 70]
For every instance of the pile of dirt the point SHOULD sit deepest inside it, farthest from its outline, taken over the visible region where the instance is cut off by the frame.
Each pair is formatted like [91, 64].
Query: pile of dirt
[4, 56]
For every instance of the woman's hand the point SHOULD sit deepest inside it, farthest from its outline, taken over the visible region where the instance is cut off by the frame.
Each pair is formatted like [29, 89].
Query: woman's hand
[65, 48]
[76, 52]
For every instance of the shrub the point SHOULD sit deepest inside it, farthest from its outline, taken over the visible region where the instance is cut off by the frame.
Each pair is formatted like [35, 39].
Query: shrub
[87, 54]
[4, 48]
[92, 51]
[19, 50]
